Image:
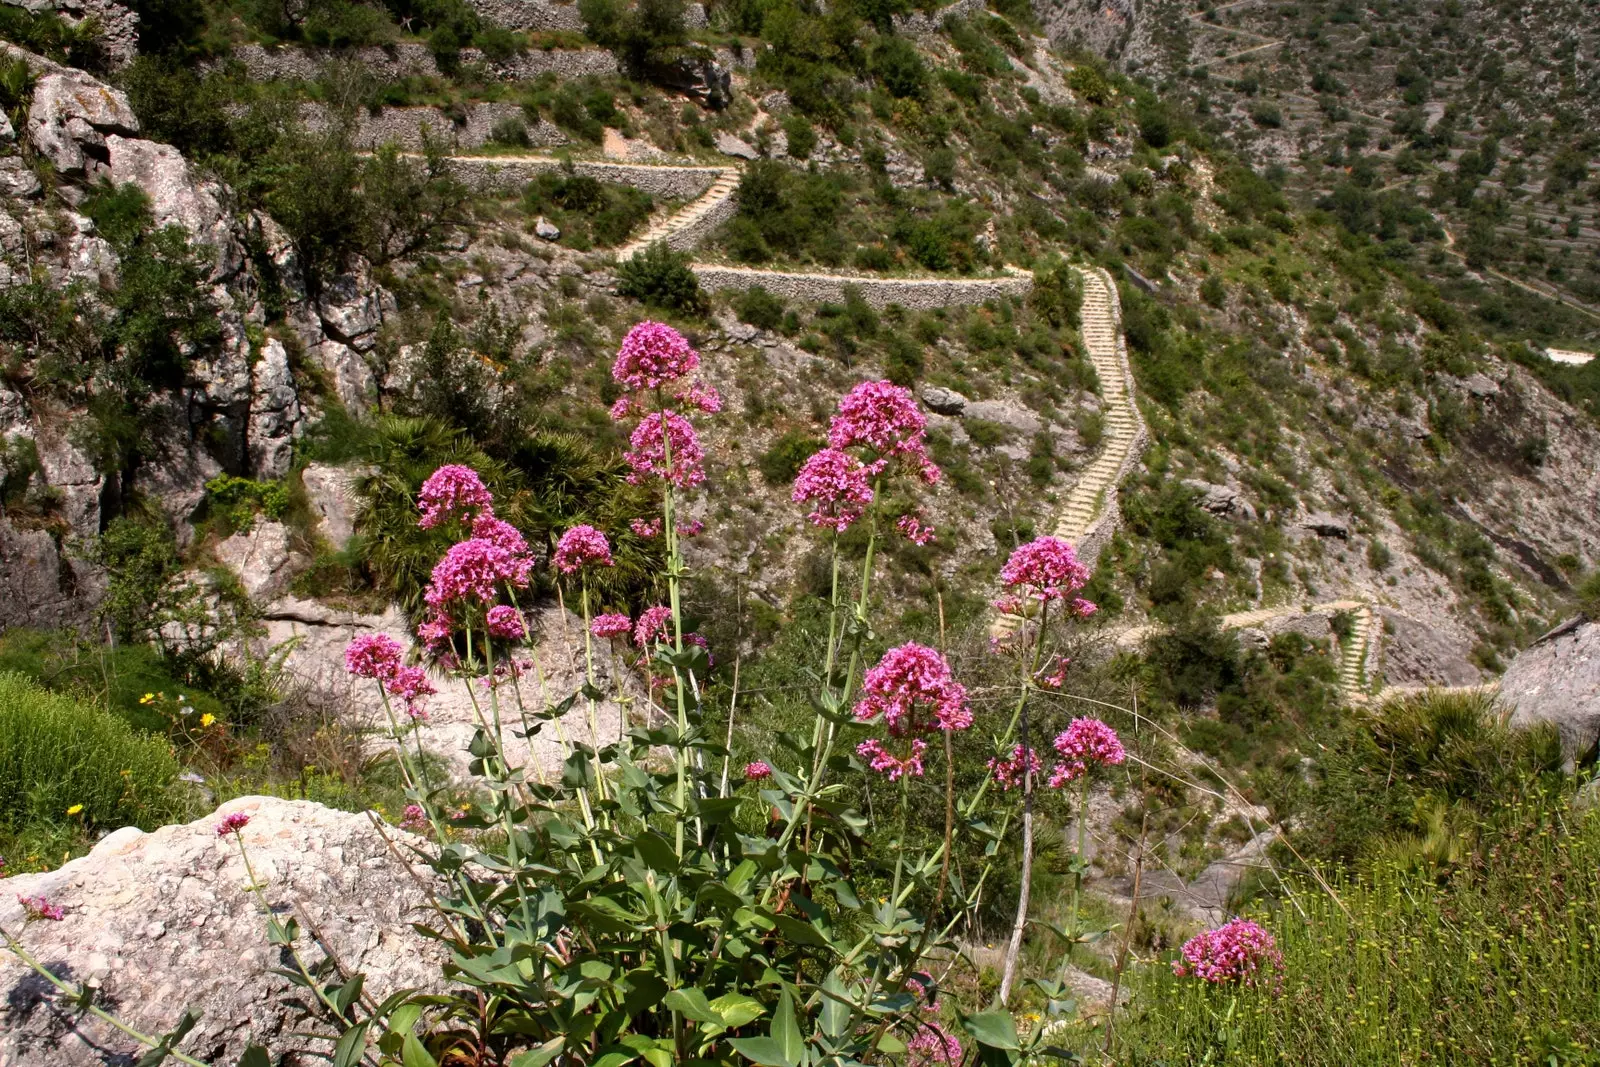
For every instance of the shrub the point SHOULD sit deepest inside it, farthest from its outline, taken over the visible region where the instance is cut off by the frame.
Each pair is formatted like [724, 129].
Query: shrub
[780, 463]
[1091, 85]
[894, 61]
[1213, 292]
[800, 134]
[57, 752]
[660, 277]
[1057, 295]
[759, 308]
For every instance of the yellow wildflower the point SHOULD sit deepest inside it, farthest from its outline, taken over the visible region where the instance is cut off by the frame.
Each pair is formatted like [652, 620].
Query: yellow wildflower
[75, 809]
[147, 698]
[207, 719]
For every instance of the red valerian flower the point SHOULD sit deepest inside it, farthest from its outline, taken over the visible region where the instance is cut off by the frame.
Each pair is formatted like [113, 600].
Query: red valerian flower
[757, 771]
[506, 622]
[837, 484]
[647, 453]
[1237, 951]
[701, 397]
[884, 762]
[1046, 569]
[232, 823]
[1083, 745]
[39, 908]
[414, 818]
[934, 1045]
[606, 626]
[435, 633]
[411, 685]
[581, 546]
[914, 691]
[502, 533]
[373, 656]
[452, 491]
[652, 626]
[645, 529]
[1009, 772]
[474, 569]
[884, 417]
[912, 529]
[700, 639]
[652, 355]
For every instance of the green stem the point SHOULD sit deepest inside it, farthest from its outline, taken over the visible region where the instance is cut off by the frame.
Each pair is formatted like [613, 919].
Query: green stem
[280, 933]
[76, 994]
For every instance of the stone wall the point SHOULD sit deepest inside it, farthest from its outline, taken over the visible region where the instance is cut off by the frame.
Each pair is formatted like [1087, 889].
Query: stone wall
[529, 14]
[119, 26]
[417, 61]
[506, 173]
[922, 24]
[917, 294]
[696, 231]
[404, 126]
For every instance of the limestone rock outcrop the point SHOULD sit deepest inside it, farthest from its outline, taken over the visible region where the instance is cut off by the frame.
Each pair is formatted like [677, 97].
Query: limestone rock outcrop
[1557, 680]
[163, 921]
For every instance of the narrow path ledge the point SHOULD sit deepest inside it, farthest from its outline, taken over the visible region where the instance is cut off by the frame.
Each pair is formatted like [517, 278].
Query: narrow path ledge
[917, 294]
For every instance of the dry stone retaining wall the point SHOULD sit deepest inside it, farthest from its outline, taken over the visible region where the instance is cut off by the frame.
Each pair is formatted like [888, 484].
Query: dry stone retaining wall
[404, 126]
[917, 294]
[393, 63]
[503, 173]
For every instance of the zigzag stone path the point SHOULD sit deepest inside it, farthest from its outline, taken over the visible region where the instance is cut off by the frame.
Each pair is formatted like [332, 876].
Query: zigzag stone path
[1090, 515]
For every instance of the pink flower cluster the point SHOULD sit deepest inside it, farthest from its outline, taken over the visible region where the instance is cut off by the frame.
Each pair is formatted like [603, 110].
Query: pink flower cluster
[882, 761]
[232, 824]
[700, 397]
[758, 771]
[414, 818]
[505, 622]
[1011, 771]
[1237, 951]
[1084, 745]
[1046, 569]
[912, 529]
[836, 483]
[933, 1044]
[608, 626]
[652, 355]
[579, 547]
[451, 492]
[915, 693]
[644, 529]
[648, 448]
[373, 656]
[885, 418]
[652, 626]
[501, 533]
[37, 908]
[473, 570]
[907, 680]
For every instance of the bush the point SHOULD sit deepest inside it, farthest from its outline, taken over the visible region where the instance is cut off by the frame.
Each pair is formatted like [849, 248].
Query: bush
[1091, 85]
[894, 61]
[759, 308]
[780, 463]
[660, 277]
[800, 134]
[57, 752]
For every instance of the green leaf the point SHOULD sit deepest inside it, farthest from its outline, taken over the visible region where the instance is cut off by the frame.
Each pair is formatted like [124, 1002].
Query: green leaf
[656, 851]
[255, 1056]
[351, 1047]
[786, 1031]
[994, 1029]
[614, 1057]
[836, 1011]
[736, 1009]
[412, 1054]
[348, 994]
[404, 1019]
[761, 1050]
[538, 1057]
[691, 1004]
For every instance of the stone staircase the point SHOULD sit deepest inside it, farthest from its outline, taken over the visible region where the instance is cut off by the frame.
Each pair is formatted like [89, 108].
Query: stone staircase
[1089, 513]
[1353, 681]
[690, 224]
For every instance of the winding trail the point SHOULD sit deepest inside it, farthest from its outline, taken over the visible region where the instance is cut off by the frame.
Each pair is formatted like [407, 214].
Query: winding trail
[1090, 515]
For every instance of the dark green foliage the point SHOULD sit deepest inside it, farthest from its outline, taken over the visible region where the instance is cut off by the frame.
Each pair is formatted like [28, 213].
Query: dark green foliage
[897, 66]
[1589, 596]
[235, 502]
[140, 559]
[785, 211]
[587, 211]
[780, 463]
[644, 34]
[1057, 295]
[940, 167]
[660, 277]
[800, 134]
[1091, 85]
[57, 752]
[49, 35]
[1213, 292]
[1414, 754]
[759, 308]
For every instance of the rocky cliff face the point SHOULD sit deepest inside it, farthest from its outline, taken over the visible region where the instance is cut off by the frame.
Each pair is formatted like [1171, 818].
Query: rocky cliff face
[242, 405]
[161, 922]
[1557, 680]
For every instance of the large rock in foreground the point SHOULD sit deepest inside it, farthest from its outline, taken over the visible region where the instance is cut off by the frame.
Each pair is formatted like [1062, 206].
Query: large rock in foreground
[161, 922]
[1557, 680]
